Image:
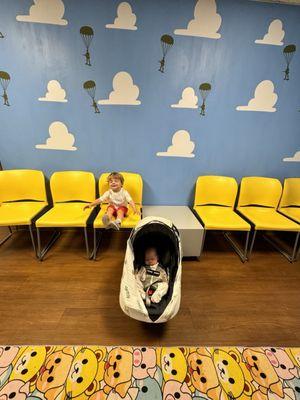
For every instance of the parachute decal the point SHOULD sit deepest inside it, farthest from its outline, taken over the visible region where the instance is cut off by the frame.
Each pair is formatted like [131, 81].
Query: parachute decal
[288, 53]
[4, 81]
[205, 89]
[166, 43]
[90, 87]
[87, 35]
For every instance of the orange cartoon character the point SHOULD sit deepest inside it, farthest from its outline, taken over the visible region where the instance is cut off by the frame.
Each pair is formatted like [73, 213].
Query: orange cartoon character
[54, 372]
[262, 372]
[118, 370]
[203, 374]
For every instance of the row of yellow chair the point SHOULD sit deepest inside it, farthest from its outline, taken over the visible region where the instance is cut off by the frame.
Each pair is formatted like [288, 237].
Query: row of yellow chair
[24, 203]
[261, 205]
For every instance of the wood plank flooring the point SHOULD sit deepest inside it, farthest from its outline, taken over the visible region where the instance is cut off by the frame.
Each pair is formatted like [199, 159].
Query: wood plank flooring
[69, 300]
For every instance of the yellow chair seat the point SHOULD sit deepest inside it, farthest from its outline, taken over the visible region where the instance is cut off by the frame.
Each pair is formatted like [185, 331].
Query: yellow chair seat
[19, 213]
[221, 218]
[65, 215]
[129, 221]
[268, 219]
[291, 212]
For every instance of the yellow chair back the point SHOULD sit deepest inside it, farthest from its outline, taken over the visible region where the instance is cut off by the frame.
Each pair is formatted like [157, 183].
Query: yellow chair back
[133, 183]
[261, 191]
[67, 186]
[217, 190]
[22, 184]
[291, 193]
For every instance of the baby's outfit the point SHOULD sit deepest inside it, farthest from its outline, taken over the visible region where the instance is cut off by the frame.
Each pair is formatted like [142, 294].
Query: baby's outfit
[153, 283]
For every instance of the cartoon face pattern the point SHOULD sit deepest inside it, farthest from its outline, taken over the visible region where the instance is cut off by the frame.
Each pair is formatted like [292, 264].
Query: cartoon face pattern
[144, 362]
[148, 373]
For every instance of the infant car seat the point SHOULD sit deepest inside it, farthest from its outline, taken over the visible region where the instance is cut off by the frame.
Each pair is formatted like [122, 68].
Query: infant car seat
[161, 234]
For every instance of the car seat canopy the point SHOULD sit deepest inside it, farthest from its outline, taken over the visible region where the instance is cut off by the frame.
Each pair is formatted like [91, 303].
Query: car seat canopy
[164, 237]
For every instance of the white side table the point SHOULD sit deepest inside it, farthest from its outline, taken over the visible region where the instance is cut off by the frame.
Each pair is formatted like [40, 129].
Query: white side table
[190, 229]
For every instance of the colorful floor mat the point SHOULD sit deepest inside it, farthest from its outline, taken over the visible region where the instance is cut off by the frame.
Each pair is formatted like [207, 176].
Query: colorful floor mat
[147, 373]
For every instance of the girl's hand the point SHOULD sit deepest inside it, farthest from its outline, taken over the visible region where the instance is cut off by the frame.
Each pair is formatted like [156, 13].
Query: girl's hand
[137, 212]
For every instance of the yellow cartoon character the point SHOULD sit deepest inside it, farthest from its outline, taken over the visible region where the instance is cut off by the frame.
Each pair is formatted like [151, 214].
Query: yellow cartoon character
[230, 373]
[262, 371]
[29, 363]
[80, 383]
[294, 353]
[249, 388]
[100, 353]
[54, 372]
[173, 364]
[118, 370]
[203, 374]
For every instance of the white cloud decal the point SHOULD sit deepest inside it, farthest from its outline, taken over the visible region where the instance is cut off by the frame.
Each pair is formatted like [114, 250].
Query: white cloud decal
[181, 146]
[59, 138]
[206, 22]
[45, 12]
[264, 98]
[124, 91]
[54, 93]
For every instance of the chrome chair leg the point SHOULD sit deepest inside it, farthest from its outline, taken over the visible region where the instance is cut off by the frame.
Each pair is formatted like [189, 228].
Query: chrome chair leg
[290, 257]
[251, 245]
[42, 252]
[33, 241]
[7, 236]
[96, 244]
[242, 254]
[86, 239]
[295, 253]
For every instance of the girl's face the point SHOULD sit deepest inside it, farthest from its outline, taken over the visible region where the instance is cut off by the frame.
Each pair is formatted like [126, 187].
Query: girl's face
[151, 257]
[115, 184]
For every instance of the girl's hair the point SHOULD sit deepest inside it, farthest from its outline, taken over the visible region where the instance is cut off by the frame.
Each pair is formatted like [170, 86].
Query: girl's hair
[116, 175]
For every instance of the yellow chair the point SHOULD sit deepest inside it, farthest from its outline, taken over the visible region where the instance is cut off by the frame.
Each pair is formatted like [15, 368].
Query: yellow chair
[22, 198]
[71, 191]
[258, 201]
[133, 183]
[214, 204]
[290, 200]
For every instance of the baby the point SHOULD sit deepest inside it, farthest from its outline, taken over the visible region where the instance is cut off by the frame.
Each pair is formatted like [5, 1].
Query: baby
[152, 279]
[118, 199]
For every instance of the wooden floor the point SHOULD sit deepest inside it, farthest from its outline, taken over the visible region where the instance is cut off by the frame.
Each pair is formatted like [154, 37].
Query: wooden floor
[69, 300]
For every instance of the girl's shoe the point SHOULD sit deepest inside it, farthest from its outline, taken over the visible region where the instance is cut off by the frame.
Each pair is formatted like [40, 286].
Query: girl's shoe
[105, 220]
[115, 225]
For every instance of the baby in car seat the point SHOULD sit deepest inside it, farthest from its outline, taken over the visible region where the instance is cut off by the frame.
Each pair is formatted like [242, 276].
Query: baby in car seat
[152, 279]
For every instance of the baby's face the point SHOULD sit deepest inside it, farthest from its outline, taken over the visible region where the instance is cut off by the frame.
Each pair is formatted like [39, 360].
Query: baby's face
[115, 184]
[151, 257]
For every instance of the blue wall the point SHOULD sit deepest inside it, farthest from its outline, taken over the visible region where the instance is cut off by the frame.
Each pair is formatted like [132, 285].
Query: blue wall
[228, 142]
